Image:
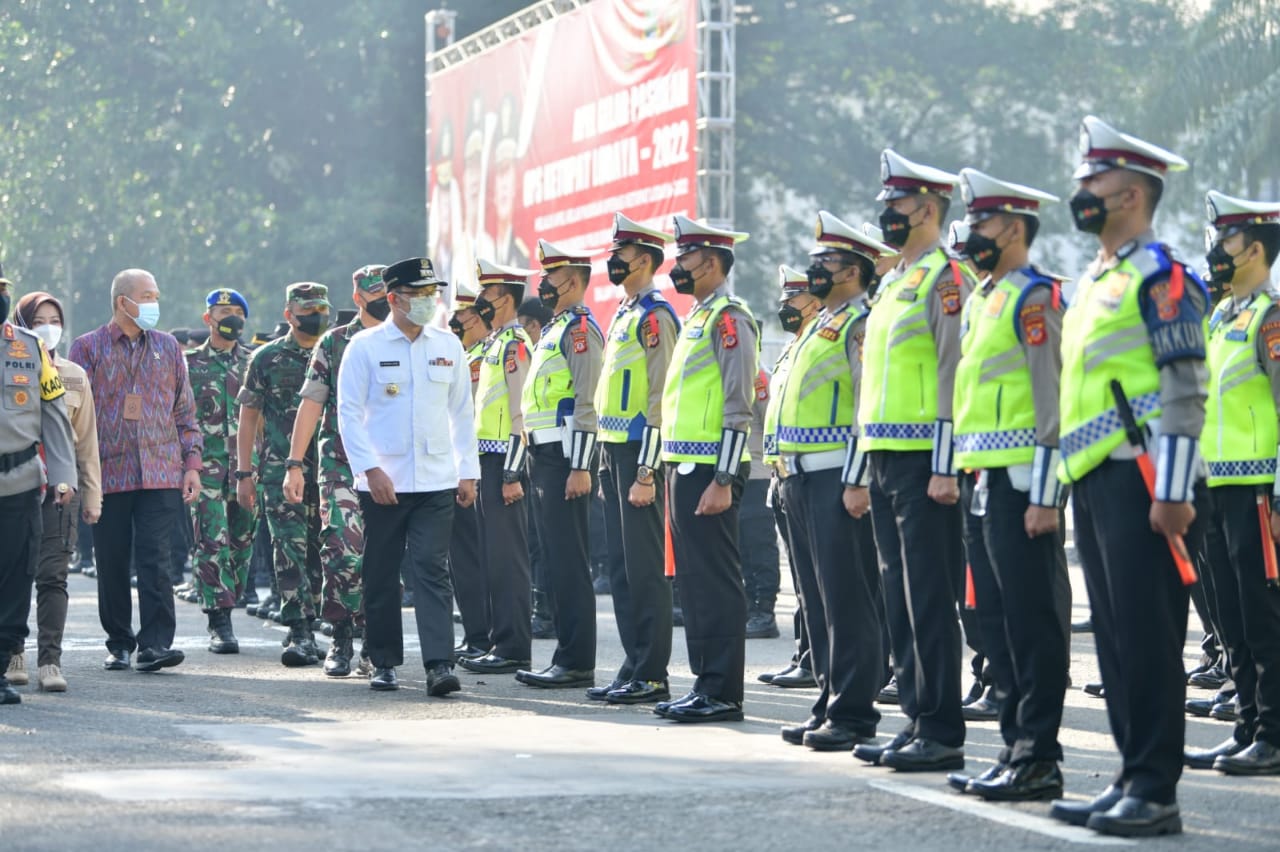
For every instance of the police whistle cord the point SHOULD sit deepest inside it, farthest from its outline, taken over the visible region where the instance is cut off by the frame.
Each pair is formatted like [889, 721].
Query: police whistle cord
[1177, 547]
[1271, 571]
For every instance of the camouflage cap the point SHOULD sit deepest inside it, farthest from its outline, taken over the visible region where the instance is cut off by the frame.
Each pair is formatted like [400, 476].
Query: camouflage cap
[307, 294]
[368, 278]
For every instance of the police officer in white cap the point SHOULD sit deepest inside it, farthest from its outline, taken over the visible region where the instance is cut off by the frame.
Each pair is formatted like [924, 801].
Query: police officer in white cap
[910, 352]
[560, 422]
[637, 353]
[1133, 353]
[1240, 444]
[706, 413]
[1006, 429]
[818, 449]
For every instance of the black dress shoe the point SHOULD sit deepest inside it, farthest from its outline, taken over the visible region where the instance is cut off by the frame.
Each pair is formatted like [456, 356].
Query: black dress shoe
[468, 652]
[384, 679]
[767, 677]
[441, 680]
[9, 695]
[1207, 677]
[155, 659]
[557, 677]
[704, 708]
[492, 664]
[639, 692]
[1201, 707]
[833, 736]
[797, 678]
[1095, 688]
[1078, 813]
[872, 752]
[960, 780]
[542, 628]
[116, 661]
[1261, 758]
[762, 625]
[923, 755]
[794, 734]
[1085, 626]
[1203, 758]
[1029, 782]
[662, 707]
[888, 692]
[985, 709]
[601, 693]
[1134, 817]
[1225, 711]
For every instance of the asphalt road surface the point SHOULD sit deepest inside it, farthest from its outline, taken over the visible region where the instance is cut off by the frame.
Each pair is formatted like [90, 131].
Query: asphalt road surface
[240, 753]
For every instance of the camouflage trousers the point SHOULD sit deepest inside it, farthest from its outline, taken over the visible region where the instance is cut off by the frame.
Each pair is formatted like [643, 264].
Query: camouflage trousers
[341, 551]
[223, 544]
[295, 538]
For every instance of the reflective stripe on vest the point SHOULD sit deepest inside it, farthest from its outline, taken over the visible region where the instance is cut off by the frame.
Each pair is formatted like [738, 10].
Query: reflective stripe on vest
[693, 397]
[623, 391]
[493, 407]
[1104, 337]
[899, 397]
[548, 399]
[995, 412]
[1240, 430]
[817, 404]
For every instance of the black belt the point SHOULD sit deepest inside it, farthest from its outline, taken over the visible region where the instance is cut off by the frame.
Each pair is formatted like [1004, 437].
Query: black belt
[8, 461]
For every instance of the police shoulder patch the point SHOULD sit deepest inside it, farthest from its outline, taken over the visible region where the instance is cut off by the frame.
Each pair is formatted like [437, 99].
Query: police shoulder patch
[949, 295]
[1270, 333]
[1031, 320]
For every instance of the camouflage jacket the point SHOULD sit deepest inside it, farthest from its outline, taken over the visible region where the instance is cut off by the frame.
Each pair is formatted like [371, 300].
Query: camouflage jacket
[271, 383]
[322, 386]
[215, 382]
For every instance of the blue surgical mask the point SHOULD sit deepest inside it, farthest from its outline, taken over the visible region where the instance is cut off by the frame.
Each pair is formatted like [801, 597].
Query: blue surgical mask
[148, 314]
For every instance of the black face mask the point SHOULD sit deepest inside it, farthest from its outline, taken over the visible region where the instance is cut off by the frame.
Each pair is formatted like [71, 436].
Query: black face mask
[983, 251]
[820, 280]
[618, 269]
[484, 310]
[1089, 211]
[312, 324]
[548, 294]
[456, 328]
[791, 318]
[895, 226]
[682, 280]
[1222, 265]
[379, 309]
[230, 327]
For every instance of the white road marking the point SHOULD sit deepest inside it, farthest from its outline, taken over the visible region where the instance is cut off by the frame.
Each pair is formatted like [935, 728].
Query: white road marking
[1002, 815]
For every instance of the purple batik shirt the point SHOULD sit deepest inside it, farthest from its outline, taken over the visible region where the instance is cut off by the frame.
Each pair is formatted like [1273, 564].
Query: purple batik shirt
[155, 450]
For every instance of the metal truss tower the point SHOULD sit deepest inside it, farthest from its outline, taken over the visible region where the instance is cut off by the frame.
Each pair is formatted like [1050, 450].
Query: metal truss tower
[715, 112]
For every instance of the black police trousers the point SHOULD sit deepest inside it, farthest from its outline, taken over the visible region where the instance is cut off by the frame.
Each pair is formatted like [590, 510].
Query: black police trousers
[564, 525]
[709, 568]
[844, 579]
[641, 592]
[466, 570]
[504, 551]
[20, 529]
[797, 556]
[1017, 585]
[1248, 610]
[921, 562]
[1139, 610]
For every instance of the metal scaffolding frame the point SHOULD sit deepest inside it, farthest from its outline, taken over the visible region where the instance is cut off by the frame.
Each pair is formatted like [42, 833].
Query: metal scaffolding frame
[715, 112]
[493, 35]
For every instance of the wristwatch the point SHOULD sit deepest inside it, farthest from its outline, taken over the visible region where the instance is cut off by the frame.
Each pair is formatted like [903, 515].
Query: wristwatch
[243, 474]
[723, 478]
[644, 475]
[291, 463]
[510, 476]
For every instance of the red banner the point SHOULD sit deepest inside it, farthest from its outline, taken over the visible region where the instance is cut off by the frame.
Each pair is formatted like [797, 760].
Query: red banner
[548, 134]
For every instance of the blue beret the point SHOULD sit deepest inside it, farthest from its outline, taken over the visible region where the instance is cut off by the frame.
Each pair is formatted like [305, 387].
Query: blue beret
[227, 296]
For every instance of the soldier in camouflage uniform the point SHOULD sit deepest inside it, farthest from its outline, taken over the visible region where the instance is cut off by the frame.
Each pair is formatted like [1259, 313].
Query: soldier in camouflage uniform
[342, 530]
[223, 528]
[269, 398]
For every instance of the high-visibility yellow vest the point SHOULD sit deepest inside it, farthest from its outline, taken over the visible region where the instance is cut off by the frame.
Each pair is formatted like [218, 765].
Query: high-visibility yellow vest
[475, 356]
[623, 391]
[898, 408]
[1240, 431]
[817, 404]
[493, 405]
[548, 390]
[693, 398]
[994, 407]
[777, 386]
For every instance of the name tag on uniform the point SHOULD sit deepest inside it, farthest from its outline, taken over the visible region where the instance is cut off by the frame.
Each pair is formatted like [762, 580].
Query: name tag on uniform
[388, 363]
[1240, 328]
[132, 406]
[440, 362]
